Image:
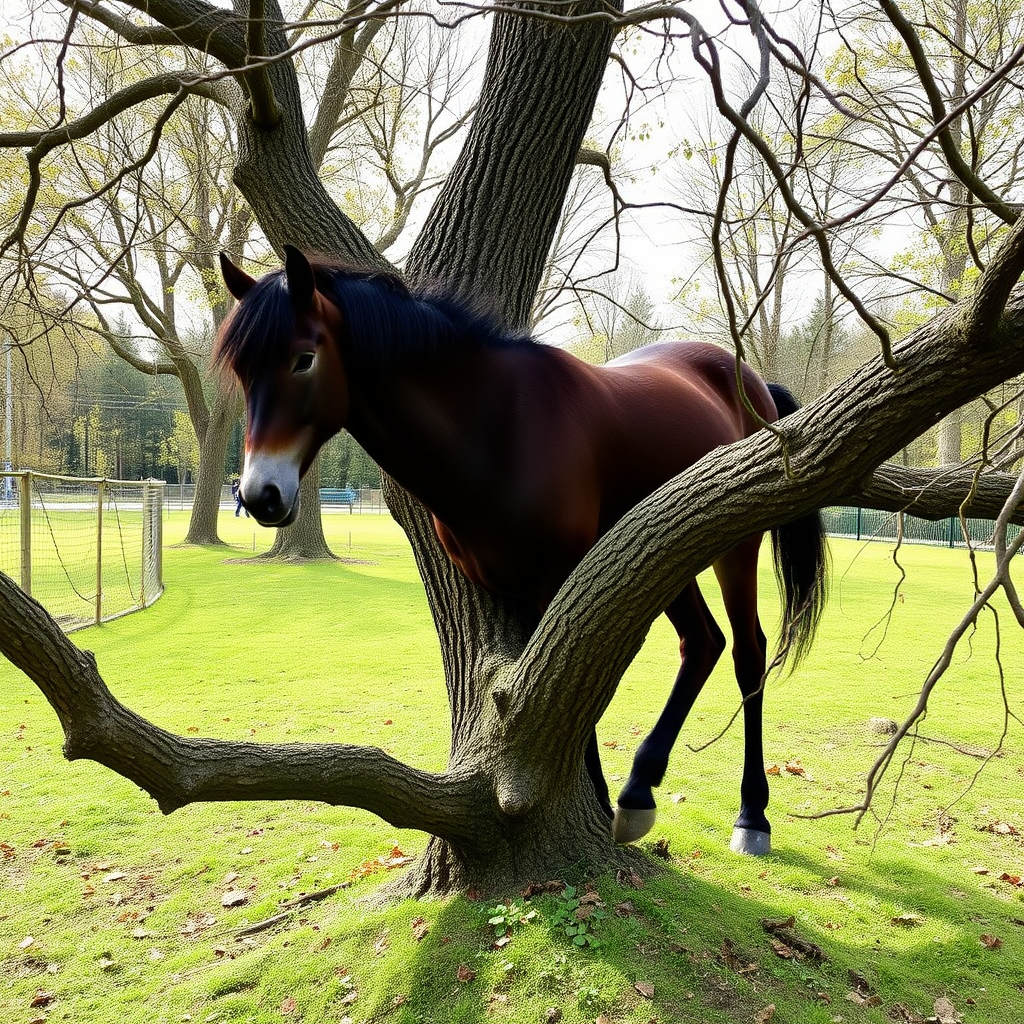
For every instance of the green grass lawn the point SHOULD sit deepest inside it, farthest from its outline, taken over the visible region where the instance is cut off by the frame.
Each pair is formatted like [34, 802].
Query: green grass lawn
[111, 912]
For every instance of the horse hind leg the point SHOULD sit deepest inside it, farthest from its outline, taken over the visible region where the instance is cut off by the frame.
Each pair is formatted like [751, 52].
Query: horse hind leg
[737, 576]
[701, 643]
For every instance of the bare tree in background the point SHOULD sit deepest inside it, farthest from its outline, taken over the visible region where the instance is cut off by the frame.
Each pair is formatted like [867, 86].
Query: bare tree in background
[515, 796]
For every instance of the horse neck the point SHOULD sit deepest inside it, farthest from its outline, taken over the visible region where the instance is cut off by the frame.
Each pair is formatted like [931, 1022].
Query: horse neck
[425, 420]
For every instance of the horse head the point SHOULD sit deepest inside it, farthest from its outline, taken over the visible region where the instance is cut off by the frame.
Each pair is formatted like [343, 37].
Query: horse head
[282, 342]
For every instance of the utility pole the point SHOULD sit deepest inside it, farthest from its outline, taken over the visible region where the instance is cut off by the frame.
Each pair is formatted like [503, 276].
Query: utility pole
[8, 488]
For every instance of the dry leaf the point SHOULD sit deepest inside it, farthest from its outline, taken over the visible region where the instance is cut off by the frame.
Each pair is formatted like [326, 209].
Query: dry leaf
[420, 928]
[41, 998]
[234, 898]
[859, 999]
[991, 941]
[288, 1006]
[645, 988]
[795, 768]
[552, 1015]
[782, 950]
[115, 876]
[612, 744]
[677, 798]
[773, 769]
[26, 942]
[908, 920]
[765, 1015]
[945, 1012]
[1012, 879]
[465, 974]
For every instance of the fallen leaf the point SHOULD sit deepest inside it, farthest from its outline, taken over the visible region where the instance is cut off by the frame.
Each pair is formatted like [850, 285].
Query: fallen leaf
[903, 1013]
[288, 1006]
[765, 1015]
[381, 945]
[859, 999]
[979, 870]
[945, 1012]
[773, 769]
[41, 998]
[552, 1015]
[1012, 879]
[26, 942]
[795, 768]
[234, 898]
[782, 950]
[420, 928]
[991, 941]
[1000, 828]
[677, 798]
[115, 876]
[624, 877]
[625, 909]
[908, 920]
[612, 744]
[661, 849]
[645, 988]
[465, 974]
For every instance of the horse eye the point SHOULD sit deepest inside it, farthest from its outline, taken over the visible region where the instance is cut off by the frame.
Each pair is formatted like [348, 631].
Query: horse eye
[303, 362]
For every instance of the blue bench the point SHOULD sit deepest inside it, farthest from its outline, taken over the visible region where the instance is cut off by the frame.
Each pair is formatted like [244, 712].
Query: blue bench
[338, 496]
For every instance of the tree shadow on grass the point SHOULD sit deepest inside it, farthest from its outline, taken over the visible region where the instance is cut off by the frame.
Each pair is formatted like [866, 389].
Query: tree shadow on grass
[706, 956]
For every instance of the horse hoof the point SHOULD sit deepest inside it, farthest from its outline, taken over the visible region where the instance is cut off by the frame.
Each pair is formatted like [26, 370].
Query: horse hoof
[630, 824]
[751, 841]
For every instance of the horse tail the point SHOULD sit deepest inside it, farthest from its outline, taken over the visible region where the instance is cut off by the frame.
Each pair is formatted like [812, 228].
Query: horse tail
[801, 565]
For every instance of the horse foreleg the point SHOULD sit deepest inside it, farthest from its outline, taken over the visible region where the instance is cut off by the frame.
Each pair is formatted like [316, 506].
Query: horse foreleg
[701, 643]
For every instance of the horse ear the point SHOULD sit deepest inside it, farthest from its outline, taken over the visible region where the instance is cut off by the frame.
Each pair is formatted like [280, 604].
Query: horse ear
[300, 278]
[237, 280]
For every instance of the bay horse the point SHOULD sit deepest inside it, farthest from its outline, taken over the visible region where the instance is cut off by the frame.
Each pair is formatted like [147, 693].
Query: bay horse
[524, 455]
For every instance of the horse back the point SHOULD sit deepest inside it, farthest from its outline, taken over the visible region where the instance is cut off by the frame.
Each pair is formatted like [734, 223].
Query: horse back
[670, 404]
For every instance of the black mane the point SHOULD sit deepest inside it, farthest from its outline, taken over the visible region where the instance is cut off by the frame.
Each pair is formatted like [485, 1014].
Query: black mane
[385, 323]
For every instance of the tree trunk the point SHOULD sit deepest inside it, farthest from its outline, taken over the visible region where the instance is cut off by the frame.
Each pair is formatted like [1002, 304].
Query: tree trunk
[213, 446]
[304, 539]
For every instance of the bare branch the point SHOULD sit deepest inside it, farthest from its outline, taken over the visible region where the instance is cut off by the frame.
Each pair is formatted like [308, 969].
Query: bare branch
[956, 162]
[177, 770]
[262, 103]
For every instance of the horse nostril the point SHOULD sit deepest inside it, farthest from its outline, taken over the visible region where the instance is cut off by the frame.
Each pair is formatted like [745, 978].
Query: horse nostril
[270, 500]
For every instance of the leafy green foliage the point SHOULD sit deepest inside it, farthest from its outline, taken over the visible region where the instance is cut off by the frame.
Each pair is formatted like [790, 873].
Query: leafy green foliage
[578, 917]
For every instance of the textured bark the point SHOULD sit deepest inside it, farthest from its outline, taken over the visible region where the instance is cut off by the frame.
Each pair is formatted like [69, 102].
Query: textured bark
[213, 447]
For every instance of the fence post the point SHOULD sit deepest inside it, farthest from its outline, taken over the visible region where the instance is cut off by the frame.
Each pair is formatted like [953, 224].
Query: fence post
[100, 490]
[25, 500]
[952, 532]
[145, 540]
[860, 512]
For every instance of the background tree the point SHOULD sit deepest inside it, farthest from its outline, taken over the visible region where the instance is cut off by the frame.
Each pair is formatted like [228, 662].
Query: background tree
[525, 701]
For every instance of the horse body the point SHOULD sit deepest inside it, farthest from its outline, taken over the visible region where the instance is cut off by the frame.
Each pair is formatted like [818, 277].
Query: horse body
[524, 456]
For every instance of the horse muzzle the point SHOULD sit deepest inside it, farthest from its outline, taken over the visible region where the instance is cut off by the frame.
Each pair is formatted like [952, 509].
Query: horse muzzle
[269, 508]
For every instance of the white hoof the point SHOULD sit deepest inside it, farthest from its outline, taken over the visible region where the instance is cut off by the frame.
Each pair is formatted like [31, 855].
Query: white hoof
[630, 824]
[751, 841]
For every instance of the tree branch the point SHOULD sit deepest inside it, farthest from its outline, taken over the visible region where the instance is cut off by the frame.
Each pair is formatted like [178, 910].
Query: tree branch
[263, 104]
[956, 162]
[934, 493]
[177, 770]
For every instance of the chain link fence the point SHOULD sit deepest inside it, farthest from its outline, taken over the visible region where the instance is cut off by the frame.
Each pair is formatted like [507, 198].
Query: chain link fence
[88, 550]
[869, 524]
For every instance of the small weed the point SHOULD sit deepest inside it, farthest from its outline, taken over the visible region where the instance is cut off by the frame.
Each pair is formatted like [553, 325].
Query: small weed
[579, 917]
[505, 918]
